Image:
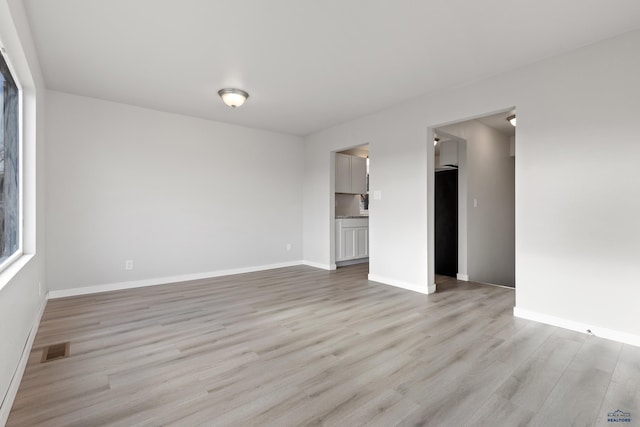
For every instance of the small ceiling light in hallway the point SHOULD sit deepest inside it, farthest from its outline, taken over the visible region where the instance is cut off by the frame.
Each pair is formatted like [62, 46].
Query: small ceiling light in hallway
[512, 119]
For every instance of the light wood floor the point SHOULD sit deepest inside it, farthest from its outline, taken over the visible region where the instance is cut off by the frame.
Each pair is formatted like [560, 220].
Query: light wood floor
[300, 346]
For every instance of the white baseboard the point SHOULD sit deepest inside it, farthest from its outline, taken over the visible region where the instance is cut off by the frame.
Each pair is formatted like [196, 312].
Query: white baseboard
[403, 285]
[464, 277]
[610, 334]
[318, 265]
[62, 293]
[12, 391]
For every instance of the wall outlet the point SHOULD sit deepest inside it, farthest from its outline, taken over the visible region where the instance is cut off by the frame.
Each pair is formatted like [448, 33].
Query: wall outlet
[128, 264]
[288, 247]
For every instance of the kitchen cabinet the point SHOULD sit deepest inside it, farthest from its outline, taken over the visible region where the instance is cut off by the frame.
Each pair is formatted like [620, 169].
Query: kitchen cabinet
[358, 175]
[351, 174]
[352, 239]
[343, 173]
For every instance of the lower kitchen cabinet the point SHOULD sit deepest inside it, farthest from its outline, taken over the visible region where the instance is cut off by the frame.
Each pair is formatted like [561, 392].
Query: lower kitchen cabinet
[352, 239]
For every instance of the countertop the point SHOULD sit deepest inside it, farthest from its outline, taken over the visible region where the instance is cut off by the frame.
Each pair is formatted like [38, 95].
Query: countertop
[351, 216]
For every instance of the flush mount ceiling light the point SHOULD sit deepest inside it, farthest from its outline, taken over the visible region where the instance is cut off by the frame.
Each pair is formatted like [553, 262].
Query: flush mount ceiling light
[512, 119]
[435, 141]
[233, 97]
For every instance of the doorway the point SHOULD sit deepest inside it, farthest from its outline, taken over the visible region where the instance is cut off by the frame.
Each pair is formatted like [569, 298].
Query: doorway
[482, 157]
[350, 217]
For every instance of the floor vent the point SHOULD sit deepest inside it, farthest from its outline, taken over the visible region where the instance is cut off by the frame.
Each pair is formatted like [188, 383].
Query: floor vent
[55, 351]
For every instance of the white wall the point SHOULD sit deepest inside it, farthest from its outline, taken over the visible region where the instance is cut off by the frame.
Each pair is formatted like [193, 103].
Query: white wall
[490, 177]
[577, 235]
[396, 170]
[177, 195]
[20, 298]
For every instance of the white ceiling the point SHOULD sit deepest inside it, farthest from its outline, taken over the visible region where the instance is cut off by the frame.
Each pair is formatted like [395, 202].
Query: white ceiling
[307, 64]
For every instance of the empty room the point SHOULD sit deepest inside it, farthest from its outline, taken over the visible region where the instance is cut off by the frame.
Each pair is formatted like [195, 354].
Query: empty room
[231, 213]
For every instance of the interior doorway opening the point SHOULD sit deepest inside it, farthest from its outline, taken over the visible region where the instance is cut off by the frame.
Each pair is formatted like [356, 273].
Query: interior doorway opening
[351, 206]
[473, 200]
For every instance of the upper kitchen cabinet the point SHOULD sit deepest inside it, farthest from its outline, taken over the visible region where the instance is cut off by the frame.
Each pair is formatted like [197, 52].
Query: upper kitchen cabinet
[358, 175]
[343, 173]
[351, 174]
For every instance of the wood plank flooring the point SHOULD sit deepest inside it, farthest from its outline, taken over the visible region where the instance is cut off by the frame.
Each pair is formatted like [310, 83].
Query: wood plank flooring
[300, 346]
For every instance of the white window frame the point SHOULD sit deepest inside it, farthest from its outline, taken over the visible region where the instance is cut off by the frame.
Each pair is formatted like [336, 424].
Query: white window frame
[20, 251]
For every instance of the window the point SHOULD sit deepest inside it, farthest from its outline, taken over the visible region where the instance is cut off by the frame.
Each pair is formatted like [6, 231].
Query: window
[10, 228]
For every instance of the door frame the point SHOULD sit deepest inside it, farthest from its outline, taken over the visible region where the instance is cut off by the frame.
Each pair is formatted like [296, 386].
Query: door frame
[332, 202]
[461, 274]
[432, 131]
